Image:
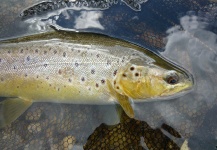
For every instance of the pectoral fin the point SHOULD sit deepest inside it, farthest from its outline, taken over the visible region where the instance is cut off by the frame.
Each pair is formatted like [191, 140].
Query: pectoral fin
[11, 109]
[122, 99]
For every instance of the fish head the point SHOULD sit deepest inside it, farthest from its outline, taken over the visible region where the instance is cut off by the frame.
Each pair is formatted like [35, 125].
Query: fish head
[151, 81]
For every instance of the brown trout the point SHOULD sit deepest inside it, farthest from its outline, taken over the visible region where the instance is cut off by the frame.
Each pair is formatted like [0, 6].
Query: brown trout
[82, 68]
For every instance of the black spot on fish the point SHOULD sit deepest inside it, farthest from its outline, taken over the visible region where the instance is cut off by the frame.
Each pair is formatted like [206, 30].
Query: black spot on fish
[83, 79]
[97, 85]
[50, 85]
[36, 51]
[14, 67]
[45, 52]
[60, 71]
[114, 82]
[70, 80]
[64, 54]
[92, 71]
[21, 51]
[97, 55]
[109, 62]
[89, 89]
[37, 76]
[55, 51]
[117, 87]
[45, 65]
[124, 75]
[28, 58]
[47, 78]
[9, 51]
[26, 75]
[123, 59]
[102, 81]
[76, 64]
[136, 74]
[115, 72]
[132, 68]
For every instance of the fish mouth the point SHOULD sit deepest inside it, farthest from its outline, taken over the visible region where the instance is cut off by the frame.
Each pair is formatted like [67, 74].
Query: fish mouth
[186, 75]
[188, 82]
[189, 77]
[165, 97]
[185, 88]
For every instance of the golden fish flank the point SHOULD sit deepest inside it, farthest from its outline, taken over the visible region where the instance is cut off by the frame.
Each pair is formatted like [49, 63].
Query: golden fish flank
[81, 68]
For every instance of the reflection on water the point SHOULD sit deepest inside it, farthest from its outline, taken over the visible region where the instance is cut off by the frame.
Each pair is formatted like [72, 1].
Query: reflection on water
[188, 118]
[54, 5]
[77, 20]
[89, 19]
[196, 45]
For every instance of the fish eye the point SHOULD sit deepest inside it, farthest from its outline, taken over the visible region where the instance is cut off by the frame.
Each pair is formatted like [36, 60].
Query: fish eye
[172, 79]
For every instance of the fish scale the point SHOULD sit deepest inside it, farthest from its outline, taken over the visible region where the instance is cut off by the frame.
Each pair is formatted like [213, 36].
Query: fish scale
[80, 68]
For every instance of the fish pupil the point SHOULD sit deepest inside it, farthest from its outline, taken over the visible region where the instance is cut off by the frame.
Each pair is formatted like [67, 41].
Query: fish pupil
[172, 80]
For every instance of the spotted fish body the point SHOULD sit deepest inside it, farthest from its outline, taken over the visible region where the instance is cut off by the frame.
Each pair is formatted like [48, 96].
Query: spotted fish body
[50, 70]
[76, 68]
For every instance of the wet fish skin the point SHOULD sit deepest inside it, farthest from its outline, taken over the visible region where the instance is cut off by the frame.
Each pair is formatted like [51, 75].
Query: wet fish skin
[49, 70]
[81, 68]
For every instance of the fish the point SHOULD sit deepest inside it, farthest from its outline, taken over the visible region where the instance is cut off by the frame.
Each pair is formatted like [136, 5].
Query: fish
[82, 68]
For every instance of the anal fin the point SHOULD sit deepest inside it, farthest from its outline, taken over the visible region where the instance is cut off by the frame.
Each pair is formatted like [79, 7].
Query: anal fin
[123, 100]
[11, 109]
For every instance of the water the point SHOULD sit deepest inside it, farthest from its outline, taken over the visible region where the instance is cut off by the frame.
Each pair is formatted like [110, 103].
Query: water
[182, 31]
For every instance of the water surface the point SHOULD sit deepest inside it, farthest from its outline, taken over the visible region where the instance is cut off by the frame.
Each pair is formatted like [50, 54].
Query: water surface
[182, 31]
